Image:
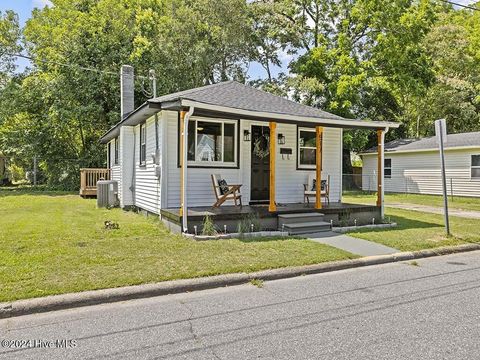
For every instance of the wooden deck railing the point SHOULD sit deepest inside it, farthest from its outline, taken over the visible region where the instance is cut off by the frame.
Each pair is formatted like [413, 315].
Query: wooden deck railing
[89, 178]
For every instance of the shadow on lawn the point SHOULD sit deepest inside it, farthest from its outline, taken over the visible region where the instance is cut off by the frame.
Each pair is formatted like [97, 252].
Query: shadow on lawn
[404, 223]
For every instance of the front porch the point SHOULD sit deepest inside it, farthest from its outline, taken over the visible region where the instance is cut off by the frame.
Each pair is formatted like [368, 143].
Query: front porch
[229, 216]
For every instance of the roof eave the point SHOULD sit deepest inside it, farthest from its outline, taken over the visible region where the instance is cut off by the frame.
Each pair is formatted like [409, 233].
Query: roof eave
[344, 123]
[137, 116]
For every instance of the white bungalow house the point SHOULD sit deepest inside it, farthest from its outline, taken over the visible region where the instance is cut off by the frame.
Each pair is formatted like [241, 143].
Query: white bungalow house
[267, 144]
[413, 166]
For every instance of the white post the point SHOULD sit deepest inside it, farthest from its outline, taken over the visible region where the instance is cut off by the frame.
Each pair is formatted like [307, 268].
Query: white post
[381, 170]
[185, 168]
[382, 174]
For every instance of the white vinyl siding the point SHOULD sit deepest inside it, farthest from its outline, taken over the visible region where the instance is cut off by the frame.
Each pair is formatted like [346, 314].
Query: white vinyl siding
[289, 180]
[419, 172]
[147, 185]
[116, 170]
[126, 151]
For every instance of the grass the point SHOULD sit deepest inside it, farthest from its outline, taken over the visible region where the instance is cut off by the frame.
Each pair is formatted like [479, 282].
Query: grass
[459, 203]
[257, 282]
[417, 230]
[53, 243]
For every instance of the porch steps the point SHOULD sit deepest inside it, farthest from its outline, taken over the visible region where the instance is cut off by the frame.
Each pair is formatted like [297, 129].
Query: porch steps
[302, 223]
[308, 227]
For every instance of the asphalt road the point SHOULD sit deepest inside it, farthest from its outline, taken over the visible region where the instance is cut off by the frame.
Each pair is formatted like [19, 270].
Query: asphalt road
[393, 311]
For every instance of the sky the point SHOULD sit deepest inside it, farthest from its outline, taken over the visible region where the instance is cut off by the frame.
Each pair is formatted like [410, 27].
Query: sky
[24, 9]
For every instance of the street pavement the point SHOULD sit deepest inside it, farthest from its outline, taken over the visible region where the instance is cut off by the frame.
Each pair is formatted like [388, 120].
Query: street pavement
[428, 309]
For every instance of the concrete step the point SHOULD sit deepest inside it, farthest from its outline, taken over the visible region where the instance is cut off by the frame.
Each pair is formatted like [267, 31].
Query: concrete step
[306, 227]
[299, 218]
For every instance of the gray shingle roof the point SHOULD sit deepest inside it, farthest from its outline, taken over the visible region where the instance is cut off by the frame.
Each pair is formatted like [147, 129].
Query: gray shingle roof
[239, 96]
[471, 139]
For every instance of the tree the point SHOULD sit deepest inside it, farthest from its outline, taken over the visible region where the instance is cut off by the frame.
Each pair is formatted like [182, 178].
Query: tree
[358, 59]
[71, 96]
[454, 46]
[9, 44]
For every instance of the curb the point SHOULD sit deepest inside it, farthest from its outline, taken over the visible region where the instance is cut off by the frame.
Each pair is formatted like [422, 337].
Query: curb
[94, 297]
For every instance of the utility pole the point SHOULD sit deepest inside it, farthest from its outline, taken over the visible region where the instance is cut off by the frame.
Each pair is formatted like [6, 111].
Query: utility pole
[151, 76]
[441, 132]
[35, 170]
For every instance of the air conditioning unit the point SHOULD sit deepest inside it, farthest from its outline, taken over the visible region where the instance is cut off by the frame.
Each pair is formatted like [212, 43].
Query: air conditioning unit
[107, 193]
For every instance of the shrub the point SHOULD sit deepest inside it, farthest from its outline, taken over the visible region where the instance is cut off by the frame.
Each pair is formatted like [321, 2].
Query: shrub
[208, 227]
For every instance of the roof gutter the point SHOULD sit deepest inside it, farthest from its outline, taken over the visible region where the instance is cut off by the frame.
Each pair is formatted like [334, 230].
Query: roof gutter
[277, 116]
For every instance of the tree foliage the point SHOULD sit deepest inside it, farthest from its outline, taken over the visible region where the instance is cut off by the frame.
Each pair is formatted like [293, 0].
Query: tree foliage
[410, 61]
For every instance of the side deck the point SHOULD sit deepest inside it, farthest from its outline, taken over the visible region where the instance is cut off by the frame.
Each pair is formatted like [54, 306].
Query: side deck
[229, 216]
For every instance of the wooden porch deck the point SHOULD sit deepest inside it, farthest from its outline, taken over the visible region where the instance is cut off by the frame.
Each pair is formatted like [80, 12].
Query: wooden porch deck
[89, 179]
[231, 212]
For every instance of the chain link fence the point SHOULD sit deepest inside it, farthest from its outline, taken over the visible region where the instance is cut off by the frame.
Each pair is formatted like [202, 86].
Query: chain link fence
[358, 184]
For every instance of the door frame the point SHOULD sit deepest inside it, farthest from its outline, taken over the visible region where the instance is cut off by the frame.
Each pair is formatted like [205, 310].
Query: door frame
[250, 128]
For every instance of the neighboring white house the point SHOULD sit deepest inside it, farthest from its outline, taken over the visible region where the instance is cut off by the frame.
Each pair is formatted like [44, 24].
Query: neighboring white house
[225, 121]
[413, 166]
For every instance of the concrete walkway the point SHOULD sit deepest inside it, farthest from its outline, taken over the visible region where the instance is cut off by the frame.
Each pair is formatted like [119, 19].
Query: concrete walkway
[351, 244]
[469, 214]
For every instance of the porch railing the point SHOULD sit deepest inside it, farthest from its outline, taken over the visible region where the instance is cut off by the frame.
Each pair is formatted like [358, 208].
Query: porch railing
[89, 178]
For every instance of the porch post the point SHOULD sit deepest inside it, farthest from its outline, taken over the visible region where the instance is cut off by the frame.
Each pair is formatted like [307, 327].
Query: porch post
[272, 205]
[318, 168]
[380, 175]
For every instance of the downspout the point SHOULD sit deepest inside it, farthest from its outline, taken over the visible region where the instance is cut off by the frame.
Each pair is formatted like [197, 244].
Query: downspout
[382, 161]
[156, 162]
[185, 167]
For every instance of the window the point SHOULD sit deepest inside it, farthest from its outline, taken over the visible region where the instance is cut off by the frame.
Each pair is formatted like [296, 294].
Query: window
[143, 144]
[109, 156]
[307, 148]
[475, 166]
[387, 168]
[212, 142]
[116, 151]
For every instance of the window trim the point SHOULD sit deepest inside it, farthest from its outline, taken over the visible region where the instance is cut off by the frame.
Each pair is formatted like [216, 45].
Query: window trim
[297, 161]
[115, 151]
[387, 167]
[143, 145]
[213, 164]
[475, 178]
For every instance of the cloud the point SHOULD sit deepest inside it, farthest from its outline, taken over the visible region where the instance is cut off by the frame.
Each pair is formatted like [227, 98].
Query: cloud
[41, 3]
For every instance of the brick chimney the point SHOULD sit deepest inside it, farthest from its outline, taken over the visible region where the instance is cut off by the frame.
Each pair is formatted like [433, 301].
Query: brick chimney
[127, 79]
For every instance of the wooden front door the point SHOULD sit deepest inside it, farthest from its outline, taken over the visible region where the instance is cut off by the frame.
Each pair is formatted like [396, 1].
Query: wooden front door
[260, 167]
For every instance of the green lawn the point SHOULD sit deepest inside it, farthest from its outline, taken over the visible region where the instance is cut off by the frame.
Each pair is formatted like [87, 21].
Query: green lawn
[460, 203]
[417, 230]
[56, 243]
